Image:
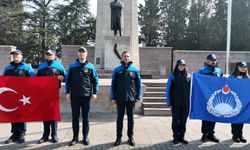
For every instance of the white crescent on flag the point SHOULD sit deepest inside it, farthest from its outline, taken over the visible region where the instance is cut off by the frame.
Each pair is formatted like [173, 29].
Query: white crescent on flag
[4, 89]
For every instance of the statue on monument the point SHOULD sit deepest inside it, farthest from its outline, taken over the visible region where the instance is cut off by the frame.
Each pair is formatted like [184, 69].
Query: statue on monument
[116, 15]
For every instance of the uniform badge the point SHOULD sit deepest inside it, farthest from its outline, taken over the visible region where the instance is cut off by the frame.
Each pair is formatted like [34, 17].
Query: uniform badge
[86, 70]
[132, 74]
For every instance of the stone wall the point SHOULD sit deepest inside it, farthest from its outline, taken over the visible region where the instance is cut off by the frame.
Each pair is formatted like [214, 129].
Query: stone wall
[5, 56]
[197, 59]
[154, 62]
[69, 53]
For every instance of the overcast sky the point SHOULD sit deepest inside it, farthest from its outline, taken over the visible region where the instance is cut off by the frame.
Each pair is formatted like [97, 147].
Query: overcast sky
[93, 4]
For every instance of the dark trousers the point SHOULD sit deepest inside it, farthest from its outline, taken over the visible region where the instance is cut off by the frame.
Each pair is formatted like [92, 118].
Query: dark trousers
[237, 129]
[18, 128]
[207, 127]
[179, 119]
[46, 128]
[78, 104]
[121, 106]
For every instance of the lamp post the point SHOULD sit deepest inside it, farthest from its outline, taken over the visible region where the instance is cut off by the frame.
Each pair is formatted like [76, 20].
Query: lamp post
[229, 18]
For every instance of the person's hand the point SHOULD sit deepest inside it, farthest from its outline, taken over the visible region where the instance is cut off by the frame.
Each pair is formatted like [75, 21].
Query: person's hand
[60, 77]
[113, 101]
[68, 97]
[239, 77]
[94, 97]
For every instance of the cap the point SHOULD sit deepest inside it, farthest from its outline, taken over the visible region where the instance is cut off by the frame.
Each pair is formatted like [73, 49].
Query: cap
[211, 57]
[17, 51]
[49, 52]
[241, 64]
[181, 61]
[82, 49]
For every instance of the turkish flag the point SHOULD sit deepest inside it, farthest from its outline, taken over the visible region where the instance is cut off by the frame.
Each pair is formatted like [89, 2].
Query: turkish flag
[27, 99]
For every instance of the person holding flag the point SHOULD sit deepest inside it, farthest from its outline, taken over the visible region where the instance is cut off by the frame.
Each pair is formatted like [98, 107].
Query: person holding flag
[207, 127]
[177, 93]
[51, 67]
[240, 72]
[17, 67]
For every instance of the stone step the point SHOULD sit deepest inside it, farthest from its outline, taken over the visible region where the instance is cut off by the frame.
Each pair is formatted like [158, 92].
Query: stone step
[154, 99]
[157, 111]
[154, 94]
[105, 76]
[155, 89]
[149, 84]
[154, 105]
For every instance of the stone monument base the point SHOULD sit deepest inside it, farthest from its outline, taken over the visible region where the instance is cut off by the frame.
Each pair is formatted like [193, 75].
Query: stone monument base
[110, 59]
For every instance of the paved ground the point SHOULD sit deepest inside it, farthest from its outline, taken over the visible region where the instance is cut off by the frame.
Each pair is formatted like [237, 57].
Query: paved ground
[150, 133]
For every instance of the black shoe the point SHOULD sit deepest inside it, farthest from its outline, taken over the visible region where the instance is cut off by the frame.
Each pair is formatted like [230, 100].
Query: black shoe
[242, 139]
[21, 138]
[204, 138]
[73, 142]
[43, 139]
[236, 139]
[182, 140]
[12, 138]
[175, 141]
[55, 139]
[131, 141]
[213, 138]
[118, 141]
[85, 141]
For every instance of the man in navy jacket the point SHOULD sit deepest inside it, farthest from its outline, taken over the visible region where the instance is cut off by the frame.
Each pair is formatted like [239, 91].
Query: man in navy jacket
[125, 92]
[81, 86]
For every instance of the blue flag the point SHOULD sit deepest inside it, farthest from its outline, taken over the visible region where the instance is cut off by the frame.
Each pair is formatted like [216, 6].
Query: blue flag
[220, 99]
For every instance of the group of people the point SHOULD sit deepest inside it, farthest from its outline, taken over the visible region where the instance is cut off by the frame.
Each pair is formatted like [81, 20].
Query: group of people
[178, 98]
[81, 86]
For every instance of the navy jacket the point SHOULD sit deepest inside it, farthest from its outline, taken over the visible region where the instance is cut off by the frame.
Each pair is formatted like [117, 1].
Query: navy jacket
[82, 79]
[51, 68]
[18, 69]
[126, 84]
[209, 70]
[178, 91]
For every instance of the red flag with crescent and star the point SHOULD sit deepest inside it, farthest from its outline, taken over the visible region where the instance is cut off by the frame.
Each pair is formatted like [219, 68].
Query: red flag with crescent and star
[28, 99]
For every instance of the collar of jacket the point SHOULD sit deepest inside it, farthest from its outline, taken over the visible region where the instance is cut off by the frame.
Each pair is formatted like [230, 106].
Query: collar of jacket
[85, 63]
[16, 64]
[129, 63]
[49, 62]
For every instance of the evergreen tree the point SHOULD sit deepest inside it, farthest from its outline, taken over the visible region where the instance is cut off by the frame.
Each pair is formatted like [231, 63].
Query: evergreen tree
[149, 21]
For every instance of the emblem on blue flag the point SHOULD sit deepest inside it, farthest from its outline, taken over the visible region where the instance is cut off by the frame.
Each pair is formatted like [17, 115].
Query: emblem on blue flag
[224, 103]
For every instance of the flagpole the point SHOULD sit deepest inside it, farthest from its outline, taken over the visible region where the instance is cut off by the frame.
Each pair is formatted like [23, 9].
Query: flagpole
[229, 18]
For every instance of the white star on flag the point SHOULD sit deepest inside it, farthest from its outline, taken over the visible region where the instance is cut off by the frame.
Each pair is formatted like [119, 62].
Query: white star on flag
[25, 100]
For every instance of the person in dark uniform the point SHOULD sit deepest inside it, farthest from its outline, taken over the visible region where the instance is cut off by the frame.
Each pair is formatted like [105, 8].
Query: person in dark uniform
[18, 68]
[125, 91]
[207, 127]
[51, 67]
[240, 72]
[81, 86]
[177, 93]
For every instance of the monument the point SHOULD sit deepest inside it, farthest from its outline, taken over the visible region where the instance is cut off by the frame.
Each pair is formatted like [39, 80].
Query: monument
[113, 16]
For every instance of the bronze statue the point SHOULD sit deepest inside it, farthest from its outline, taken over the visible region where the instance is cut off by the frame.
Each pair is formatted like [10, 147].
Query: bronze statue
[116, 14]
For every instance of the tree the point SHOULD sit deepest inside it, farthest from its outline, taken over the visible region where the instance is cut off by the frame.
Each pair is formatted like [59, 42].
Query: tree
[198, 31]
[240, 25]
[11, 19]
[218, 26]
[174, 16]
[149, 21]
[75, 25]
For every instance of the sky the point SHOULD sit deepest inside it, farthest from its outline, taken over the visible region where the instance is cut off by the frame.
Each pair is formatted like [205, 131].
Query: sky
[93, 5]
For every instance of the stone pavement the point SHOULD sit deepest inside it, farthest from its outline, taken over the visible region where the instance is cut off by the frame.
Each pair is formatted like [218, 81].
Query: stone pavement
[151, 133]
